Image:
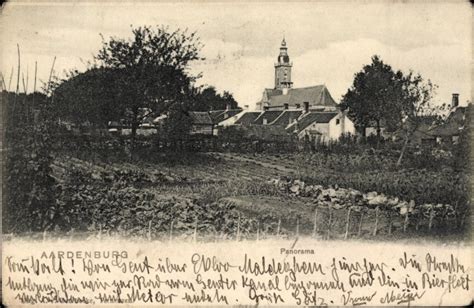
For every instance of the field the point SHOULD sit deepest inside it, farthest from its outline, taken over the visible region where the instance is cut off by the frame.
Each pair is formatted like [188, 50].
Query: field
[255, 196]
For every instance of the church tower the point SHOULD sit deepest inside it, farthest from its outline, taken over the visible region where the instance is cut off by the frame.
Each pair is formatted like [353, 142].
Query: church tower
[283, 69]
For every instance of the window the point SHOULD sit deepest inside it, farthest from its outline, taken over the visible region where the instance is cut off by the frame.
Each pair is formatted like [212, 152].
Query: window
[338, 121]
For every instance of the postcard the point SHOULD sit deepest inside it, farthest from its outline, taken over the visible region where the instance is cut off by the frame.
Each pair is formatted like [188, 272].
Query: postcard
[236, 153]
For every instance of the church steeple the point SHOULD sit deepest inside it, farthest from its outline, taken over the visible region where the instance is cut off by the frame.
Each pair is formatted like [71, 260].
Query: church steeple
[283, 68]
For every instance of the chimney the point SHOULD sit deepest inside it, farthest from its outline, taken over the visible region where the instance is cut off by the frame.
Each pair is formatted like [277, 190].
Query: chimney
[286, 106]
[246, 107]
[285, 91]
[306, 107]
[455, 101]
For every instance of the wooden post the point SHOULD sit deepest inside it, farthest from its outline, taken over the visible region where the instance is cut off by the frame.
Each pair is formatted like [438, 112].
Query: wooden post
[34, 83]
[10, 81]
[258, 230]
[297, 227]
[315, 228]
[389, 222]
[149, 231]
[430, 224]
[17, 80]
[405, 222]
[376, 221]
[278, 228]
[171, 230]
[195, 232]
[347, 223]
[329, 223]
[237, 238]
[51, 75]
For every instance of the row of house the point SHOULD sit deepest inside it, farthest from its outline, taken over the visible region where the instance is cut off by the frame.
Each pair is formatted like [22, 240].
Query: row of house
[308, 112]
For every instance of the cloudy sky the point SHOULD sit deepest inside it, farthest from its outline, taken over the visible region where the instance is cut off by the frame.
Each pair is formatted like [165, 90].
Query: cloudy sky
[327, 42]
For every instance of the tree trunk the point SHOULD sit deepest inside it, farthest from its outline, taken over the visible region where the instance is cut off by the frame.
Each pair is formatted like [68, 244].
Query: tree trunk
[133, 135]
[405, 145]
[378, 132]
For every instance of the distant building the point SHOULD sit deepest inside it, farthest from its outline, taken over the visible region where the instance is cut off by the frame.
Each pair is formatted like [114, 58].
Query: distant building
[284, 96]
[308, 112]
[455, 124]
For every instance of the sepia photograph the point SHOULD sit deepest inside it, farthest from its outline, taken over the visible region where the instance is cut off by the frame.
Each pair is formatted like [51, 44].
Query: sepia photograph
[236, 153]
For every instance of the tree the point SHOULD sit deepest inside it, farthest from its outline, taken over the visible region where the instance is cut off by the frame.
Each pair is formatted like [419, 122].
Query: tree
[416, 108]
[402, 102]
[206, 99]
[88, 97]
[375, 97]
[150, 70]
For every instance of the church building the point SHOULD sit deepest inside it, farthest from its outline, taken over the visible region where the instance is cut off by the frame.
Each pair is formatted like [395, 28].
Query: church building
[284, 96]
[308, 112]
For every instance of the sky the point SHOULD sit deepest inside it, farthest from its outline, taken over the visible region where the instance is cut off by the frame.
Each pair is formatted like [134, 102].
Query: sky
[328, 42]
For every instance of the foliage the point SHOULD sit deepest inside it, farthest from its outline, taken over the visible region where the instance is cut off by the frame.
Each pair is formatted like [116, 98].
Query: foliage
[231, 133]
[375, 96]
[208, 99]
[176, 125]
[151, 69]
[381, 96]
[30, 189]
[88, 98]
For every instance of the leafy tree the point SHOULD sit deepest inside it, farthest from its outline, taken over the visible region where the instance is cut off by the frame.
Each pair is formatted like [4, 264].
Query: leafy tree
[375, 97]
[402, 102]
[208, 99]
[177, 124]
[88, 97]
[150, 70]
[416, 109]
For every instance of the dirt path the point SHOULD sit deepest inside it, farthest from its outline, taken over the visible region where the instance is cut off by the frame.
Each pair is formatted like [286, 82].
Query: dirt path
[273, 167]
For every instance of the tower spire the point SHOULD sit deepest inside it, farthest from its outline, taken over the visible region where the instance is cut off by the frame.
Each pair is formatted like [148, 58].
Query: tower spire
[283, 68]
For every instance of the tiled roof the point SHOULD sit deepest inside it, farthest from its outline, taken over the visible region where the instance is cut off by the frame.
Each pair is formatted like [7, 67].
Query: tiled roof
[200, 117]
[315, 96]
[218, 116]
[287, 117]
[270, 116]
[314, 117]
[248, 118]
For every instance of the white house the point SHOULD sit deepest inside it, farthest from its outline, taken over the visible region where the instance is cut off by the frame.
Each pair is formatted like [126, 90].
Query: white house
[322, 126]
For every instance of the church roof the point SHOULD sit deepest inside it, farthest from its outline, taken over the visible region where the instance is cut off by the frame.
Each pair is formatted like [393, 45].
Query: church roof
[315, 96]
